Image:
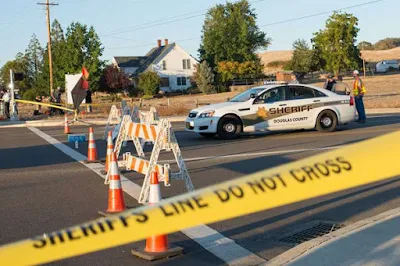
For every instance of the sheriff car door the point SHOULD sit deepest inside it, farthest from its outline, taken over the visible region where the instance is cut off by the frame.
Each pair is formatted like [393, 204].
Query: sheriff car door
[271, 100]
[308, 101]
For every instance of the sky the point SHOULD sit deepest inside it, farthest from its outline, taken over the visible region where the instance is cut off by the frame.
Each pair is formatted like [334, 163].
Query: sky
[132, 27]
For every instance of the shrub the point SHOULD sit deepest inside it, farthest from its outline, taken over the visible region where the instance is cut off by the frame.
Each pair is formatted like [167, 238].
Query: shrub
[30, 95]
[277, 63]
[149, 82]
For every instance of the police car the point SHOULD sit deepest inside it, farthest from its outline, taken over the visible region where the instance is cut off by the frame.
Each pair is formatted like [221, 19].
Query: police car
[273, 107]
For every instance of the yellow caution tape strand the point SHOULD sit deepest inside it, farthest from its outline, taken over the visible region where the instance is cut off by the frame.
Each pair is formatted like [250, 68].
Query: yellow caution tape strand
[359, 164]
[45, 104]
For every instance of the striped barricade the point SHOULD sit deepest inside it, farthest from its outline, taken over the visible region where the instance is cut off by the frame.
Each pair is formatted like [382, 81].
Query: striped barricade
[163, 137]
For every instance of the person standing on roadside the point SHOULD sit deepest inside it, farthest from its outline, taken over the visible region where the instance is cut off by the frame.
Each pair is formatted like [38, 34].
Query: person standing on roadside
[293, 79]
[6, 99]
[340, 87]
[329, 83]
[359, 92]
[88, 101]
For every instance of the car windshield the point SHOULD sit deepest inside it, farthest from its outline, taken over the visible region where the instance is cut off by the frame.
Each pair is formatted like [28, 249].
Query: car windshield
[245, 96]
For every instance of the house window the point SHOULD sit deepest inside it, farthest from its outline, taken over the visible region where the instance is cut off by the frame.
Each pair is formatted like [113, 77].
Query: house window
[164, 82]
[186, 63]
[164, 65]
[181, 81]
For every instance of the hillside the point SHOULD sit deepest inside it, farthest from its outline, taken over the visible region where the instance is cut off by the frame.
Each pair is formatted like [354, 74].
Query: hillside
[271, 56]
[369, 56]
[375, 56]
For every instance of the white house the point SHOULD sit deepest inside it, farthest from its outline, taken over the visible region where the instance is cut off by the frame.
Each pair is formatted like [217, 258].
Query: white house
[173, 64]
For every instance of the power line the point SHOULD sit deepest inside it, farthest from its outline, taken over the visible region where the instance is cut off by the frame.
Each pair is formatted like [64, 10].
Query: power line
[319, 14]
[165, 21]
[271, 24]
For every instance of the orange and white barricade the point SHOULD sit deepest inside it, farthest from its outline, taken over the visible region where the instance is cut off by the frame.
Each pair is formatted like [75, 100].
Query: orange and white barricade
[115, 118]
[164, 139]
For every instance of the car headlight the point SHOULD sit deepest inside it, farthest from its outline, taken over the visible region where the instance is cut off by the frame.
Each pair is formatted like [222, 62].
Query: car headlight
[207, 114]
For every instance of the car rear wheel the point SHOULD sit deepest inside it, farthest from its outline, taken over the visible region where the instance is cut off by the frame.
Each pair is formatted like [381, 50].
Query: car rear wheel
[229, 127]
[326, 121]
[208, 135]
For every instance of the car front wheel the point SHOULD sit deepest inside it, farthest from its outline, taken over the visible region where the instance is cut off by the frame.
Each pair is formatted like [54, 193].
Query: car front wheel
[229, 127]
[326, 121]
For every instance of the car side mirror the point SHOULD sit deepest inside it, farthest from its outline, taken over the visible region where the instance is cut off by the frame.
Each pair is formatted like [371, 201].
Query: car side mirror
[252, 96]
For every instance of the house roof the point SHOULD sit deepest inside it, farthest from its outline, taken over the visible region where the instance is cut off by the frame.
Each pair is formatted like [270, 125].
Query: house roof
[142, 62]
[129, 61]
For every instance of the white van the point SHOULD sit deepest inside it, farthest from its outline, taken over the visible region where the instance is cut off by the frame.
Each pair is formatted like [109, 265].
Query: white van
[383, 66]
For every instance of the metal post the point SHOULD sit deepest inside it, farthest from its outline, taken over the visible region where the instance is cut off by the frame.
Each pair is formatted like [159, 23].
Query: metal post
[362, 49]
[13, 113]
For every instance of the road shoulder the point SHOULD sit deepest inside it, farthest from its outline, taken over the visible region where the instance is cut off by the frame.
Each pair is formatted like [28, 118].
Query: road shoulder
[309, 249]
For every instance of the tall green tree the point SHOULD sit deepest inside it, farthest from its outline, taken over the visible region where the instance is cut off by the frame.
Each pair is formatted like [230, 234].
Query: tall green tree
[34, 58]
[336, 43]
[230, 33]
[204, 77]
[19, 64]
[59, 54]
[83, 48]
[304, 59]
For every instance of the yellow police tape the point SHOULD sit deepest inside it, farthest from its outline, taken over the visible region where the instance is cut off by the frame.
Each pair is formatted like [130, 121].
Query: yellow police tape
[355, 165]
[45, 104]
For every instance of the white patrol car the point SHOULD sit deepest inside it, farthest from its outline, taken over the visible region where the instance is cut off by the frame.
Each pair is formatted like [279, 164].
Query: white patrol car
[273, 107]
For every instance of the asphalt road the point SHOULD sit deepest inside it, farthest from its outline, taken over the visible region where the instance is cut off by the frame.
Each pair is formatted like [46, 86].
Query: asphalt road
[43, 189]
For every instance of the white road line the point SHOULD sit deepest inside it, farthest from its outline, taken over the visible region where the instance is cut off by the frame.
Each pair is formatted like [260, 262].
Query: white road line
[254, 154]
[222, 247]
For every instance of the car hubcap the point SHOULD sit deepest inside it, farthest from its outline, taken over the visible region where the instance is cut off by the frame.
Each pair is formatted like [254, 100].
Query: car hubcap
[326, 121]
[229, 127]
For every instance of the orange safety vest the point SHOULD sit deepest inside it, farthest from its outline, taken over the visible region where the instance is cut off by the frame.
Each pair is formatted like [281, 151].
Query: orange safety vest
[356, 89]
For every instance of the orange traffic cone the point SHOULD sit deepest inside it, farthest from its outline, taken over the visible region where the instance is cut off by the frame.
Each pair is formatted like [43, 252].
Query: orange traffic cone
[156, 246]
[66, 125]
[116, 201]
[92, 151]
[110, 150]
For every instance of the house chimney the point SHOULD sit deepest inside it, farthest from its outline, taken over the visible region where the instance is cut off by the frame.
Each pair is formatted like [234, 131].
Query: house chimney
[158, 43]
[166, 42]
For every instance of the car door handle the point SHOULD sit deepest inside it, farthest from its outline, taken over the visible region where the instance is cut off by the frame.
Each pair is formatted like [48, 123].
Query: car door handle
[317, 101]
[282, 104]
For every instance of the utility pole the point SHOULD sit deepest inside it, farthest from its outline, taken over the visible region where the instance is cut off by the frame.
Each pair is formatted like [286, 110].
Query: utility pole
[47, 4]
[362, 52]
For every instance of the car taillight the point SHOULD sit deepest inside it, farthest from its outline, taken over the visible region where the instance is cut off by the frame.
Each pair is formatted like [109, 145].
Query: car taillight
[351, 100]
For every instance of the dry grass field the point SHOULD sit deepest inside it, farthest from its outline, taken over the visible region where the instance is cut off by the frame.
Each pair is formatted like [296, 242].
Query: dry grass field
[369, 56]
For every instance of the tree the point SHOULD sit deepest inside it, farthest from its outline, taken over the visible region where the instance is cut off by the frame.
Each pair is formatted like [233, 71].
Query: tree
[230, 70]
[204, 77]
[387, 43]
[83, 48]
[230, 33]
[336, 43]
[149, 82]
[304, 60]
[20, 64]
[116, 79]
[59, 54]
[34, 58]
[80, 46]
[365, 46]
